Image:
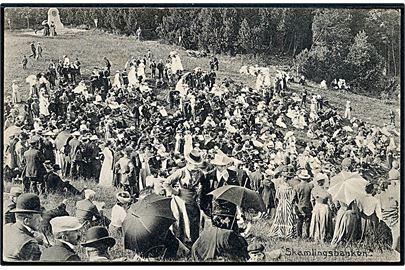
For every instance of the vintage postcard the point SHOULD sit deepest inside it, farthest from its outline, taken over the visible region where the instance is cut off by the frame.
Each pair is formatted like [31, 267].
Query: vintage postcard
[156, 134]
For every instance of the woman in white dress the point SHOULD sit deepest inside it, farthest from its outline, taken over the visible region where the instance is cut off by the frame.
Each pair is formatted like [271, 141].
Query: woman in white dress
[117, 80]
[16, 98]
[119, 213]
[132, 80]
[43, 103]
[188, 142]
[106, 174]
[141, 71]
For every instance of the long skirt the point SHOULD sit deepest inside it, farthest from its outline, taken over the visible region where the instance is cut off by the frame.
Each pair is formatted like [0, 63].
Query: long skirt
[283, 225]
[345, 226]
[321, 222]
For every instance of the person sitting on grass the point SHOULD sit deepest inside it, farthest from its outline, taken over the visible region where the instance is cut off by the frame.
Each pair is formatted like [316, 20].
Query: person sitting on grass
[67, 235]
[97, 244]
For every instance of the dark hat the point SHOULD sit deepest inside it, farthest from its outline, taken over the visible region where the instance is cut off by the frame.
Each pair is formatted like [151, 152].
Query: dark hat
[255, 248]
[56, 167]
[97, 236]
[28, 203]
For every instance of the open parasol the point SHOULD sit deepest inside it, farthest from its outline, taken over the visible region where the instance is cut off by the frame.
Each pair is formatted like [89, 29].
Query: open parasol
[347, 187]
[31, 79]
[61, 139]
[146, 225]
[240, 196]
[11, 131]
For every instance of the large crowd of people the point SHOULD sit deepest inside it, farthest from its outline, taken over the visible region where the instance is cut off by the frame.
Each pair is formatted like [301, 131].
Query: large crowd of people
[151, 128]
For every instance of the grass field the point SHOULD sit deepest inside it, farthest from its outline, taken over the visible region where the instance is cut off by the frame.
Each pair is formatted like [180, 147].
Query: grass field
[91, 46]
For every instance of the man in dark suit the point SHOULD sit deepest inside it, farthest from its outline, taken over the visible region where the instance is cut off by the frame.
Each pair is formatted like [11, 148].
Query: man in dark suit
[304, 206]
[242, 176]
[216, 243]
[66, 232]
[220, 176]
[21, 238]
[34, 168]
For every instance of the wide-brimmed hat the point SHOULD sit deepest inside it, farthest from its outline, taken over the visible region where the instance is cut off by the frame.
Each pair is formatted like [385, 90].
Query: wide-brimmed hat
[221, 159]
[65, 224]
[123, 197]
[194, 157]
[28, 203]
[15, 191]
[76, 133]
[304, 175]
[96, 236]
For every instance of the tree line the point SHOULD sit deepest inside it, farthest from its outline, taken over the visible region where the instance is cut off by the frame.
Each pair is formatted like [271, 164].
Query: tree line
[359, 45]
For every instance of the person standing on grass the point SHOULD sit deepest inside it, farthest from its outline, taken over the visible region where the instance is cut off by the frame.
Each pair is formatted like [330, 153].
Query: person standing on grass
[321, 220]
[24, 62]
[107, 64]
[33, 50]
[34, 170]
[304, 206]
[348, 111]
[39, 51]
[139, 34]
[160, 67]
[283, 225]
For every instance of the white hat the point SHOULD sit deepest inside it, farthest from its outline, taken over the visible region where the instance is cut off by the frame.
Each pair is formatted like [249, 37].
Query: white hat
[123, 197]
[221, 160]
[76, 133]
[194, 157]
[15, 191]
[93, 138]
[88, 193]
[65, 224]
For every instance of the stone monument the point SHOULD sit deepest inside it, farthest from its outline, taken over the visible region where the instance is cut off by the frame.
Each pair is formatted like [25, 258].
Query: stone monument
[53, 16]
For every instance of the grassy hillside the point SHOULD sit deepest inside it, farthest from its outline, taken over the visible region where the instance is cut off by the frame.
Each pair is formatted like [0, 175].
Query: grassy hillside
[91, 46]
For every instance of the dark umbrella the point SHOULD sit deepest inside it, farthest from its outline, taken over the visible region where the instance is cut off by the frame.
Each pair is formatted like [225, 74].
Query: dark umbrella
[146, 225]
[61, 139]
[240, 196]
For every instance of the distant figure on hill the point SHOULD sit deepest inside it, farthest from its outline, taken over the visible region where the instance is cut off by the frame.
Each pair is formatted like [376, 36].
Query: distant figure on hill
[139, 34]
[33, 50]
[24, 62]
[39, 51]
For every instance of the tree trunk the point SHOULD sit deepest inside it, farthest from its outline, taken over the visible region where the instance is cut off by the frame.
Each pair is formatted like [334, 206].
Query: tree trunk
[28, 23]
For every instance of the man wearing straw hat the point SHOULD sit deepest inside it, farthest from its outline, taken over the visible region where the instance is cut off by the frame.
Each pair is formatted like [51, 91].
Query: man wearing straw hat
[22, 237]
[188, 184]
[66, 232]
[303, 206]
[221, 176]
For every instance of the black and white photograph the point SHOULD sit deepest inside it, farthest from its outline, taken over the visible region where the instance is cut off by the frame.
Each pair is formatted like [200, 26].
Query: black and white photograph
[202, 134]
